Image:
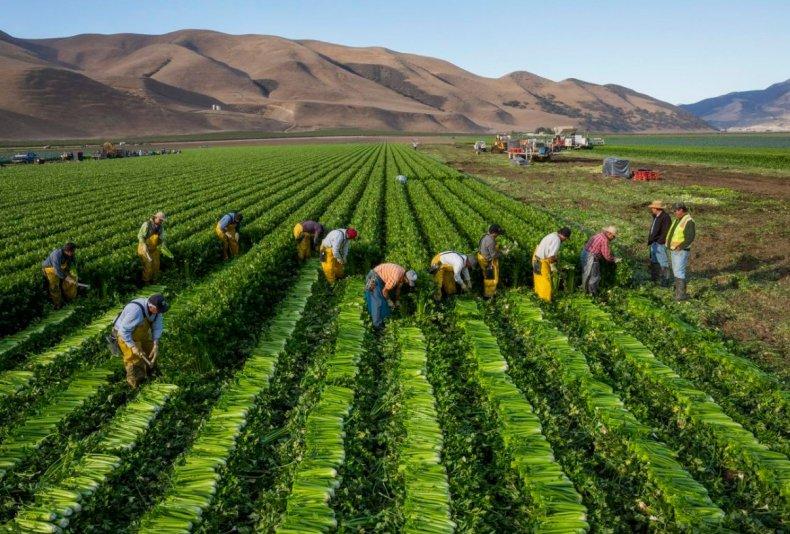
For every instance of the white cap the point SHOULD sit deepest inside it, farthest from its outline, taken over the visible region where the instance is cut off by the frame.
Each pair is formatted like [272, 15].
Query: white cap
[159, 215]
[411, 277]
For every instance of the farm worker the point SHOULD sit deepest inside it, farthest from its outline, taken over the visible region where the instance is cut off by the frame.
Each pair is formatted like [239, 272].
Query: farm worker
[451, 268]
[544, 262]
[596, 249]
[150, 241]
[60, 271]
[656, 240]
[679, 238]
[488, 257]
[334, 252]
[227, 231]
[380, 283]
[308, 236]
[138, 329]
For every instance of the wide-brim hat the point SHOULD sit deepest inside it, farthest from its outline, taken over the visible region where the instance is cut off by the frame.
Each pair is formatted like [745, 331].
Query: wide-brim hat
[656, 204]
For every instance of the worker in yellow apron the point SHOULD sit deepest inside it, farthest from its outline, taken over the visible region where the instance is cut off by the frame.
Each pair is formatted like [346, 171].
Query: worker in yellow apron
[308, 236]
[227, 231]
[60, 272]
[450, 269]
[334, 253]
[137, 330]
[150, 242]
[488, 257]
[544, 263]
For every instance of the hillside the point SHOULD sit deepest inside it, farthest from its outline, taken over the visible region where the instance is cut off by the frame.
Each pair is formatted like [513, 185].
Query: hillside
[762, 110]
[92, 85]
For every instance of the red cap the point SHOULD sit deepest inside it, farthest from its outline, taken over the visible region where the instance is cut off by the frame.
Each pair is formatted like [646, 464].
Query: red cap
[351, 233]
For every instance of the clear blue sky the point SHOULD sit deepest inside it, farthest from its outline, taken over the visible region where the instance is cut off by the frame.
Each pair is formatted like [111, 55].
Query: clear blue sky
[679, 51]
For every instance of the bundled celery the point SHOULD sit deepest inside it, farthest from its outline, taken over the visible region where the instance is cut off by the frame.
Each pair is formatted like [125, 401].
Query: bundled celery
[767, 472]
[34, 431]
[315, 480]
[15, 342]
[557, 505]
[194, 481]
[426, 505]
[686, 502]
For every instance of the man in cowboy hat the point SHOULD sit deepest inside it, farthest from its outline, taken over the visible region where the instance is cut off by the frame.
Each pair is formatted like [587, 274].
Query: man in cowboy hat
[596, 249]
[656, 242]
[679, 238]
[382, 289]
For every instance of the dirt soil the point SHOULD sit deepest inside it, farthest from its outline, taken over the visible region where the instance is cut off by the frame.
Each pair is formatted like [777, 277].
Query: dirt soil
[740, 261]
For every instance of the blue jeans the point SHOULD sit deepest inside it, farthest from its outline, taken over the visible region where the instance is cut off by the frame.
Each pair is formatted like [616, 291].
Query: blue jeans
[679, 260]
[658, 254]
[375, 301]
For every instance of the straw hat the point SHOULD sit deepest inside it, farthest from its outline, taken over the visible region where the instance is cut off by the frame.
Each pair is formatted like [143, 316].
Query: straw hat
[611, 229]
[656, 204]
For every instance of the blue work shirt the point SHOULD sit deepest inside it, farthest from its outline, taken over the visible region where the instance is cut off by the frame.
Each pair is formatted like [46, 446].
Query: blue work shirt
[132, 316]
[228, 219]
[55, 259]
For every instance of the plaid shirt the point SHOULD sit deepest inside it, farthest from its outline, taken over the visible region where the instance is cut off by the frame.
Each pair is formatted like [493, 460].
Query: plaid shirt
[390, 273]
[599, 245]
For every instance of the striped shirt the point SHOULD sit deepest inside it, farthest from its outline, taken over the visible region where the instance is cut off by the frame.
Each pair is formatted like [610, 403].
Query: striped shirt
[391, 274]
[599, 245]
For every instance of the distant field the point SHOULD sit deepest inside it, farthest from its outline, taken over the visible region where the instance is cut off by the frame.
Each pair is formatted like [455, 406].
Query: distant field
[761, 159]
[779, 140]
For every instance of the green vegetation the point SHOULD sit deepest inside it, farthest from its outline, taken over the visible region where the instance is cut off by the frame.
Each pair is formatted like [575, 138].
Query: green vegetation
[278, 407]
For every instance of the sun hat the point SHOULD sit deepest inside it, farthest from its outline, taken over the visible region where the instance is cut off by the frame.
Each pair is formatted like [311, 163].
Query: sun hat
[656, 204]
[611, 229]
[411, 277]
[160, 215]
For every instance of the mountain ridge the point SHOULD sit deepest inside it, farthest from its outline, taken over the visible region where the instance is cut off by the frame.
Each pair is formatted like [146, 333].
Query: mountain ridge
[756, 110]
[133, 84]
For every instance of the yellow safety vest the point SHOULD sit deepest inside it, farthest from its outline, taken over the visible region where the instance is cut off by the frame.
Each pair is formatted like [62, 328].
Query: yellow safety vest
[677, 231]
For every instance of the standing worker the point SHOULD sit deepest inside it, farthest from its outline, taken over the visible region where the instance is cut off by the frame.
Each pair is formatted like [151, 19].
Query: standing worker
[488, 257]
[308, 236]
[679, 238]
[596, 249]
[544, 262]
[451, 268]
[150, 241]
[656, 240]
[60, 272]
[334, 252]
[137, 331]
[227, 231]
[379, 285]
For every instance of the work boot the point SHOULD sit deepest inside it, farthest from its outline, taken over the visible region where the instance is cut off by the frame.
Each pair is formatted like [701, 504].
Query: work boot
[680, 289]
[665, 276]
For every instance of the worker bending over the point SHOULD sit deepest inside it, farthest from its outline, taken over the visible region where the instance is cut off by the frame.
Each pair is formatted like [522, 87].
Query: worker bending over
[544, 263]
[334, 252]
[308, 236]
[227, 231]
[488, 257]
[451, 268]
[596, 249]
[380, 284]
[656, 242]
[137, 331]
[60, 272]
[150, 241]
[679, 238]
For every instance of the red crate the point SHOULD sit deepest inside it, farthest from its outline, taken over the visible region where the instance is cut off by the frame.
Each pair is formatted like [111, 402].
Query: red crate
[646, 175]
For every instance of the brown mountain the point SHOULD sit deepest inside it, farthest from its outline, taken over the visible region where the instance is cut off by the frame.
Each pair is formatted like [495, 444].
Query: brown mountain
[127, 84]
[761, 110]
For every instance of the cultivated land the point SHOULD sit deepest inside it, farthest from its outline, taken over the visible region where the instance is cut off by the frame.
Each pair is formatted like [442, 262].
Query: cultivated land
[277, 407]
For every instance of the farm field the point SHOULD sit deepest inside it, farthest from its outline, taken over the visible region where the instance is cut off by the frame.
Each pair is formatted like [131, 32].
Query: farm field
[278, 408]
